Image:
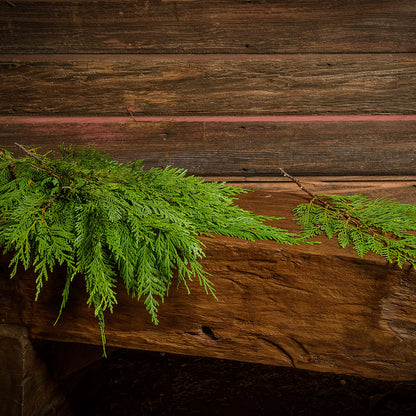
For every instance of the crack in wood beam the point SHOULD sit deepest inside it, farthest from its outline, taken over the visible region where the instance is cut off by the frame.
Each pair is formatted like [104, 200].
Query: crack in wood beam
[281, 349]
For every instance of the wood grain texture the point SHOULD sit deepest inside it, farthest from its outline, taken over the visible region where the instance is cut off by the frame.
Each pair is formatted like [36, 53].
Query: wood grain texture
[314, 307]
[217, 26]
[10, 299]
[237, 148]
[208, 85]
[401, 188]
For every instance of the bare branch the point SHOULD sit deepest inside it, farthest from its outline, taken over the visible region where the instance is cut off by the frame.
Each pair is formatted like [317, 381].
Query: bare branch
[30, 153]
[45, 170]
[327, 205]
[131, 115]
[10, 3]
[296, 181]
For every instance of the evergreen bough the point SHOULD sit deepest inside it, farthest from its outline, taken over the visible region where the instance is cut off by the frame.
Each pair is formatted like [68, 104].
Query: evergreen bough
[105, 220]
[382, 226]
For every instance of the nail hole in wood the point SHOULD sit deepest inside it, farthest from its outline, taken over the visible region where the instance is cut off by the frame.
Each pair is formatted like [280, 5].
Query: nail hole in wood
[208, 331]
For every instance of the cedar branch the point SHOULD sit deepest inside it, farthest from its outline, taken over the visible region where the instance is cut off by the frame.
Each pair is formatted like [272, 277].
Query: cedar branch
[31, 154]
[315, 198]
[45, 170]
[36, 157]
[296, 181]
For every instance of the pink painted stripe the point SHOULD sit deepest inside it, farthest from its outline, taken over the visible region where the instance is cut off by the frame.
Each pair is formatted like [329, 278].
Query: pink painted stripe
[199, 119]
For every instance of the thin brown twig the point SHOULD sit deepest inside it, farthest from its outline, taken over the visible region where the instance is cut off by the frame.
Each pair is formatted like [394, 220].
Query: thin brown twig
[315, 198]
[31, 154]
[45, 170]
[36, 157]
[10, 3]
[132, 115]
[296, 181]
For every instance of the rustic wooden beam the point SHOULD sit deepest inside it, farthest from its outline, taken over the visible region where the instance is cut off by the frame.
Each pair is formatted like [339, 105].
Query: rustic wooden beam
[217, 26]
[169, 85]
[315, 307]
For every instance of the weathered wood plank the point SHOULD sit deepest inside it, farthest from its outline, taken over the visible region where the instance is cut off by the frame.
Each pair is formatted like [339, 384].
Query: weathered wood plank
[217, 26]
[401, 188]
[235, 148]
[201, 85]
[314, 307]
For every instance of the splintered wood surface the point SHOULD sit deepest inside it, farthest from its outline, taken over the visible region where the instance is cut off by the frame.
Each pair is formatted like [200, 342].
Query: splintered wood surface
[231, 26]
[315, 307]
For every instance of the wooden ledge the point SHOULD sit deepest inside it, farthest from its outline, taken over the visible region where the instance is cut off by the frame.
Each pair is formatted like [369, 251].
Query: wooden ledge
[315, 307]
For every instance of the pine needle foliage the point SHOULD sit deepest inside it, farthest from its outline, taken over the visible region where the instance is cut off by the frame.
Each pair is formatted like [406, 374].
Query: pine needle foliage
[382, 226]
[106, 221]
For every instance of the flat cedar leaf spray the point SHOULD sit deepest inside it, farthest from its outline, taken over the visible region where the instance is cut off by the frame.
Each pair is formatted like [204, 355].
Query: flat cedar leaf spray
[106, 221]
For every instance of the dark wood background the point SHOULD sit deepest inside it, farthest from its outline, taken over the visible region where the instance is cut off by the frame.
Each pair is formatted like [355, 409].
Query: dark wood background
[229, 88]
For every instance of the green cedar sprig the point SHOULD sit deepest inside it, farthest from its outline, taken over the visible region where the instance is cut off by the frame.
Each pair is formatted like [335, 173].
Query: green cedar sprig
[382, 226]
[106, 221]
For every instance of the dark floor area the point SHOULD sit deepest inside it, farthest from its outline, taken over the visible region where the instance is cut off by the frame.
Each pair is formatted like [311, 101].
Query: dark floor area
[144, 383]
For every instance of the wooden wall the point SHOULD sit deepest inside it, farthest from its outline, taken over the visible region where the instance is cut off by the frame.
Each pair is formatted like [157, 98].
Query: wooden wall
[232, 89]
[226, 88]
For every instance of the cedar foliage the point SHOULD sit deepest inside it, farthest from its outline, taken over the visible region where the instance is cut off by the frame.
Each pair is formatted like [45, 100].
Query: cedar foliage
[103, 221]
[383, 226]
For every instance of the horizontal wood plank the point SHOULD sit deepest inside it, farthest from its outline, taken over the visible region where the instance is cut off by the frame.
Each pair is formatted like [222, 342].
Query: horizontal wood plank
[315, 307]
[200, 85]
[207, 85]
[216, 26]
[236, 148]
[400, 188]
